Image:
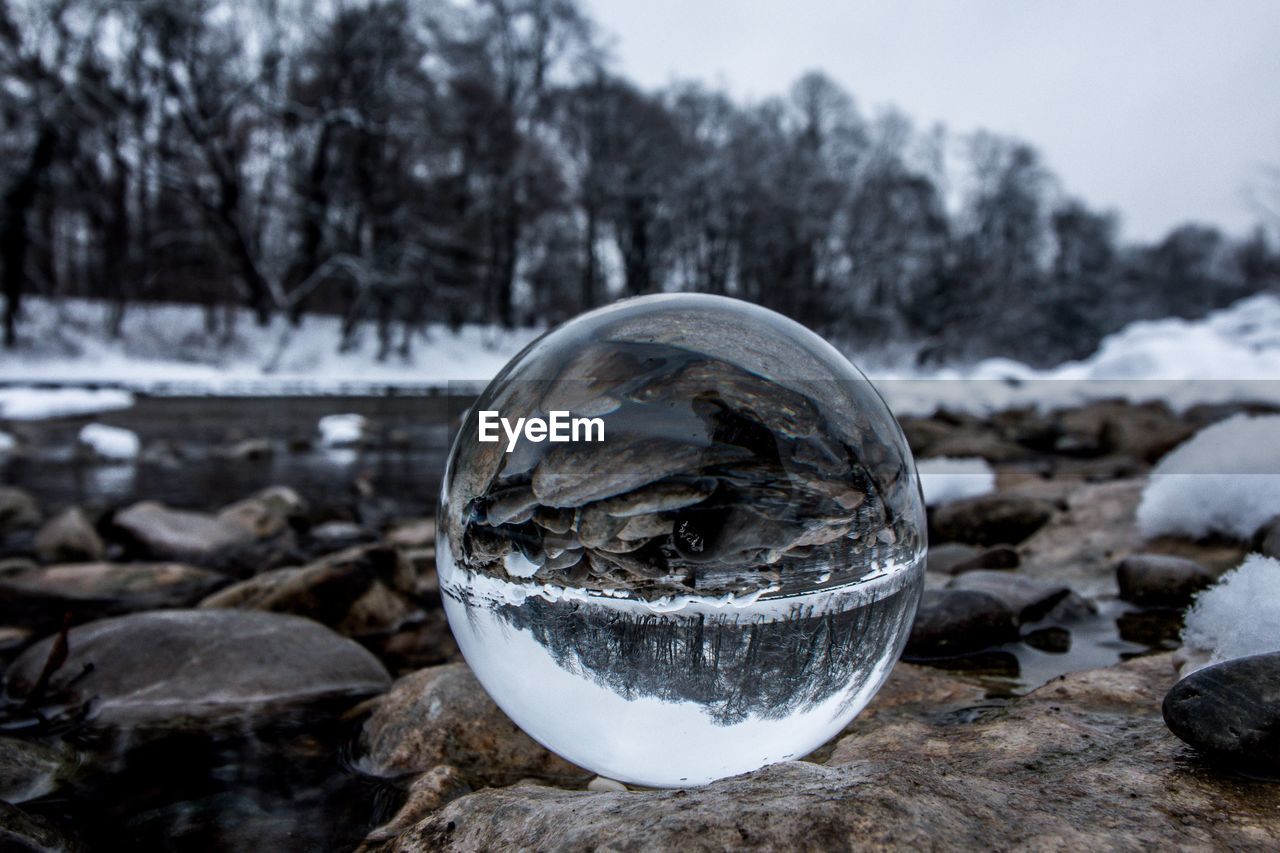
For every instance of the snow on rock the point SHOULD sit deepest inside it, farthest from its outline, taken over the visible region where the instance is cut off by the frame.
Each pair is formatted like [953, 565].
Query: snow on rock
[341, 430]
[1225, 479]
[30, 404]
[946, 479]
[7, 443]
[1239, 615]
[108, 442]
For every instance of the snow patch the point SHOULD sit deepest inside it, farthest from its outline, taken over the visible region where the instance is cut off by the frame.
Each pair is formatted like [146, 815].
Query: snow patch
[1225, 479]
[1240, 614]
[7, 443]
[108, 442]
[947, 479]
[341, 430]
[32, 404]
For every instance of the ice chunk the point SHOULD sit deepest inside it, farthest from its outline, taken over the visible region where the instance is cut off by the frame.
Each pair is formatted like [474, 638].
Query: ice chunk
[1224, 480]
[341, 430]
[1240, 614]
[108, 442]
[948, 479]
[32, 404]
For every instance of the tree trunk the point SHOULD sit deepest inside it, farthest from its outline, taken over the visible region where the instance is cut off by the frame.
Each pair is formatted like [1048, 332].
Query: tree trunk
[14, 241]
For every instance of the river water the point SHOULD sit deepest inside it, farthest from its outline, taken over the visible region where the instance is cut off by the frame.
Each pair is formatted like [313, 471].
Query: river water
[186, 460]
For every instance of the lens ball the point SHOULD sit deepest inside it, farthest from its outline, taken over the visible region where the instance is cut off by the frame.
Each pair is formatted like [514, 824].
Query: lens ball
[680, 538]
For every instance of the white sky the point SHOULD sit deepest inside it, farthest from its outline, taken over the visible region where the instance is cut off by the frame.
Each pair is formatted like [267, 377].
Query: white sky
[1164, 110]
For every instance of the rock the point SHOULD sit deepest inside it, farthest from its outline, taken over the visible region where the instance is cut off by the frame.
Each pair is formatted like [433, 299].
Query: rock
[1029, 598]
[25, 833]
[420, 533]
[1144, 432]
[41, 596]
[968, 443]
[250, 450]
[427, 793]
[442, 715]
[1267, 540]
[162, 533]
[989, 519]
[1082, 763]
[337, 535]
[349, 591]
[12, 639]
[18, 510]
[943, 436]
[955, 621]
[422, 641]
[266, 513]
[29, 769]
[190, 670]
[69, 537]
[1054, 639]
[1230, 712]
[944, 558]
[1158, 579]
[601, 785]
[953, 558]
[572, 475]
[1080, 547]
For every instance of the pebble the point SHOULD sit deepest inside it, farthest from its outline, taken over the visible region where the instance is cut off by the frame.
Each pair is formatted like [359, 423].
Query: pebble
[1230, 712]
[18, 510]
[1161, 580]
[1029, 598]
[1267, 540]
[69, 537]
[989, 519]
[602, 785]
[958, 621]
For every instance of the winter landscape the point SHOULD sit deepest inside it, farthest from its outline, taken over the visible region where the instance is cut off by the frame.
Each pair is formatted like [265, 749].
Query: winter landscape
[257, 261]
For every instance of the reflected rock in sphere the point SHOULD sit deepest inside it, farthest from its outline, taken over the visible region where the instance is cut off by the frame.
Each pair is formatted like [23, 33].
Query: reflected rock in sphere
[723, 581]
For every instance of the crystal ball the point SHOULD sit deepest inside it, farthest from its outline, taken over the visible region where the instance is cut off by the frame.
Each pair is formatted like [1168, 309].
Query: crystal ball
[680, 538]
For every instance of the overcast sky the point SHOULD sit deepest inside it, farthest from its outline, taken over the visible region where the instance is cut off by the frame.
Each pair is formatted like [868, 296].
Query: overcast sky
[1164, 110]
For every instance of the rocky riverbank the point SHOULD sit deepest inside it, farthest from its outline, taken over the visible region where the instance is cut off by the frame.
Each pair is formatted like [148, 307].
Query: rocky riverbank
[269, 674]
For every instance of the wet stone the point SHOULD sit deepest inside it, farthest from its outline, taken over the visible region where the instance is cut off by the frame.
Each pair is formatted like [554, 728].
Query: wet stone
[1027, 597]
[957, 621]
[1230, 712]
[162, 533]
[989, 519]
[69, 537]
[41, 596]
[29, 769]
[1158, 579]
[190, 669]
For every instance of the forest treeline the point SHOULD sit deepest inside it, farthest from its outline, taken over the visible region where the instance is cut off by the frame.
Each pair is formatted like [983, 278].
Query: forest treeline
[398, 163]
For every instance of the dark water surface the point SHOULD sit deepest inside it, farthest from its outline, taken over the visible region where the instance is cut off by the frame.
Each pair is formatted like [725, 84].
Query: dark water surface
[186, 443]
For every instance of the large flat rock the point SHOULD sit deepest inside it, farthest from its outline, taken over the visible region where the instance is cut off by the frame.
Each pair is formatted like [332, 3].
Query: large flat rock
[189, 668]
[1083, 762]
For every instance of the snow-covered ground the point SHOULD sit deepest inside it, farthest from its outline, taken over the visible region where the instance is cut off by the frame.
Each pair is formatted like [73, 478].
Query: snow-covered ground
[1230, 355]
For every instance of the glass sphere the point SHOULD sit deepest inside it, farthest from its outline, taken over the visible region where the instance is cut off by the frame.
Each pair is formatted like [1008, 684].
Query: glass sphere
[722, 582]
